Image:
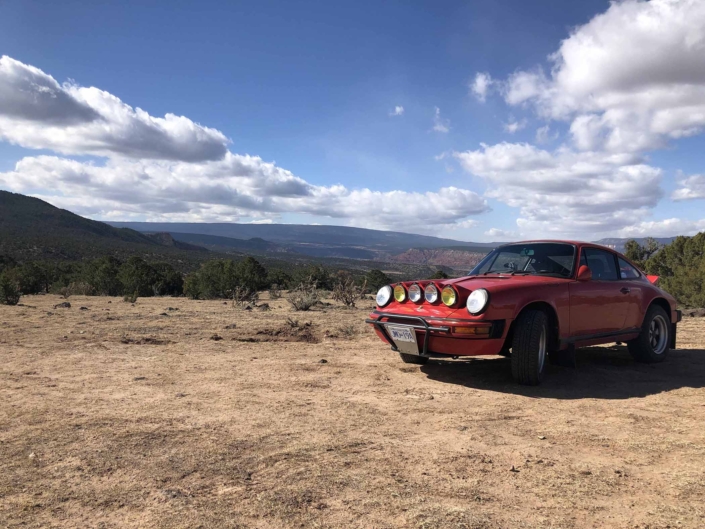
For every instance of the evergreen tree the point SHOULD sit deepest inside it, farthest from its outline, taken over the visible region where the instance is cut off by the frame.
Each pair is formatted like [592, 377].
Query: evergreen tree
[102, 275]
[9, 287]
[681, 267]
[137, 276]
[251, 274]
[376, 279]
[169, 282]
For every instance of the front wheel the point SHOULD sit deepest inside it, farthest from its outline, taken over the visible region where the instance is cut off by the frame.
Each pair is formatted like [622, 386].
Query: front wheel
[653, 343]
[529, 347]
[413, 359]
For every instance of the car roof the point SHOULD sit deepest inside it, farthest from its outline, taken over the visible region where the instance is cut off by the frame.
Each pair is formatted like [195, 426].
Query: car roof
[564, 241]
[559, 241]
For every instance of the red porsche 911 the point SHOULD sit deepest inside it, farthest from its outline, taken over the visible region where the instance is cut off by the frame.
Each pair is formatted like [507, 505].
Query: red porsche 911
[529, 300]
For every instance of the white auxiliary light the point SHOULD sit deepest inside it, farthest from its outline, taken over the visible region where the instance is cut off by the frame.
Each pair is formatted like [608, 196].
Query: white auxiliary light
[477, 301]
[384, 295]
[431, 293]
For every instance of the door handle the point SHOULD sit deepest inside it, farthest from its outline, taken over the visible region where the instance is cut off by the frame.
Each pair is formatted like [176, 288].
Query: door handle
[625, 290]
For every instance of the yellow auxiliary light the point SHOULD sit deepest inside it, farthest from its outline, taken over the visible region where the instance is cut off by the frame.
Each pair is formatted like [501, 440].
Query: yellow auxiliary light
[399, 293]
[449, 296]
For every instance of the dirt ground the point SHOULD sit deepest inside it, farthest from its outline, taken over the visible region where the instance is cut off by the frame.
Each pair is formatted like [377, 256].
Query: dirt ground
[180, 413]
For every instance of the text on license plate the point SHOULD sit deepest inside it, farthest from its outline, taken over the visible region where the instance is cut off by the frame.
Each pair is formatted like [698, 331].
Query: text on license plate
[401, 334]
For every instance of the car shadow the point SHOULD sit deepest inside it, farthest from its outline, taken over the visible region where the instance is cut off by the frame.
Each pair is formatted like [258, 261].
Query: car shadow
[601, 373]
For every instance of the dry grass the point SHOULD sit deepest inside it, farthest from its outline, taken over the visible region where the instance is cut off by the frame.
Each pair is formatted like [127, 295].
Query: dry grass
[134, 416]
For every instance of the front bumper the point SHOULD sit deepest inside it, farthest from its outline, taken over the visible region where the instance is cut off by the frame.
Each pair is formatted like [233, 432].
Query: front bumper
[439, 337]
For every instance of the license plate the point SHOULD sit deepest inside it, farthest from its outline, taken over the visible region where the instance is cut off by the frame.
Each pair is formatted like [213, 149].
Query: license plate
[404, 338]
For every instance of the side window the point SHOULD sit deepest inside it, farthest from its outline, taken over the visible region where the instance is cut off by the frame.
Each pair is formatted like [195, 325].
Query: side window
[602, 264]
[627, 271]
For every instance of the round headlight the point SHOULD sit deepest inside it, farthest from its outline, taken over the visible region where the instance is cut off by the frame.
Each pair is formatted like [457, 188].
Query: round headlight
[431, 293]
[448, 296]
[399, 293]
[477, 301]
[384, 295]
[415, 294]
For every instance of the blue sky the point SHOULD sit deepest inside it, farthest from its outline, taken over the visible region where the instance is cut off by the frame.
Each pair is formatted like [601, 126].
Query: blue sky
[313, 86]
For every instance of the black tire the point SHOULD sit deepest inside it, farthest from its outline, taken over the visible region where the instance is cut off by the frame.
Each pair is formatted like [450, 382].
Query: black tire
[413, 359]
[527, 362]
[654, 341]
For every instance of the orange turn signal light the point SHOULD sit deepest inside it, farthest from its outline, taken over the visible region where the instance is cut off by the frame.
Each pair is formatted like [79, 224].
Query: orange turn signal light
[483, 329]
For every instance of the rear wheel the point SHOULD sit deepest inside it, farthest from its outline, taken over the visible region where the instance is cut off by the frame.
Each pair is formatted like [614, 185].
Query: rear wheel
[413, 359]
[530, 347]
[653, 343]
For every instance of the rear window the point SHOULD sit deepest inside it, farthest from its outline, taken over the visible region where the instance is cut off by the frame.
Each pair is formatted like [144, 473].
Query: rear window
[627, 271]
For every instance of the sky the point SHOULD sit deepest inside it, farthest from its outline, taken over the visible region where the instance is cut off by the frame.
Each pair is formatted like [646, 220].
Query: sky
[475, 120]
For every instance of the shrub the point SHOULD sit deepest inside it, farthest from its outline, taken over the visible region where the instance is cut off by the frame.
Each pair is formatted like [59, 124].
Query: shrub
[243, 296]
[346, 291]
[63, 292]
[9, 288]
[130, 298]
[439, 274]
[274, 291]
[305, 296]
[80, 288]
[348, 331]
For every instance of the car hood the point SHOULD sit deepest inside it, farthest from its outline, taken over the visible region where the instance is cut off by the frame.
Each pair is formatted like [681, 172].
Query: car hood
[495, 283]
[499, 286]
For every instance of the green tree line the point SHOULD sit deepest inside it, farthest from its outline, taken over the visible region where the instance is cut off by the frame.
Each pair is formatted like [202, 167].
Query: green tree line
[108, 276]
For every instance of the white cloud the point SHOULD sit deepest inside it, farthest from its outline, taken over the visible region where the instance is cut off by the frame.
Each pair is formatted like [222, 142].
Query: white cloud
[690, 188]
[664, 228]
[481, 86]
[543, 134]
[39, 113]
[629, 80]
[440, 124]
[523, 86]
[228, 189]
[174, 169]
[498, 234]
[565, 192]
[513, 126]
[398, 111]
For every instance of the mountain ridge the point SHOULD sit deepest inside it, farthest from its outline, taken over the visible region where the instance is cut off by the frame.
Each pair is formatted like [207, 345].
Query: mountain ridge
[303, 234]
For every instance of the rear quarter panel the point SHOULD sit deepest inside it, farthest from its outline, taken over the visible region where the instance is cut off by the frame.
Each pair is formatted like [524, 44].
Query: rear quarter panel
[650, 293]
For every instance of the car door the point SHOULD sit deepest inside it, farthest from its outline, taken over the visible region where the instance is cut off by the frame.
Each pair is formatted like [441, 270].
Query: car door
[632, 288]
[597, 306]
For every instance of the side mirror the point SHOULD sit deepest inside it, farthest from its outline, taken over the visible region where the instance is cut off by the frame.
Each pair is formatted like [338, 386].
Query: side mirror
[584, 273]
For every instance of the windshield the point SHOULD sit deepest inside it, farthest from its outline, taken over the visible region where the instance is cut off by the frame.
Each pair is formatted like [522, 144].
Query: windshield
[540, 258]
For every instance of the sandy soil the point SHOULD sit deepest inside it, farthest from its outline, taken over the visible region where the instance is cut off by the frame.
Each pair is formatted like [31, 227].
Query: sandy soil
[207, 416]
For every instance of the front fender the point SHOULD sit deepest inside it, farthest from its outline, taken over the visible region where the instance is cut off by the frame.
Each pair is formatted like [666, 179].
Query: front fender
[507, 304]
